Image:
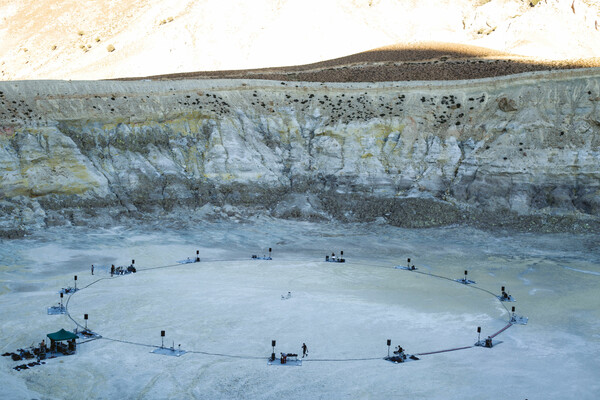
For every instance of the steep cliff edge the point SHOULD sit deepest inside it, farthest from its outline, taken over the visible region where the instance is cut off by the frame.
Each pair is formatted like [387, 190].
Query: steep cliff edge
[516, 150]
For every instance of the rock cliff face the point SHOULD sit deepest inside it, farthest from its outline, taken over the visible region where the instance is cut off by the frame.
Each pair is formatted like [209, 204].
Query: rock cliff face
[520, 148]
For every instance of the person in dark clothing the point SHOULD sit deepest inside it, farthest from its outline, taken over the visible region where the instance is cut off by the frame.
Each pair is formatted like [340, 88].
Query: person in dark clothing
[304, 350]
[92, 269]
[112, 270]
[401, 357]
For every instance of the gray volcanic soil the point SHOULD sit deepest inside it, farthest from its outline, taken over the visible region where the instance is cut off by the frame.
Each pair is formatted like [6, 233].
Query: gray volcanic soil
[221, 308]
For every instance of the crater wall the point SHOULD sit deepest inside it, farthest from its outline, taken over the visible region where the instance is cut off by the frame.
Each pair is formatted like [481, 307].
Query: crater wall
[491, 151]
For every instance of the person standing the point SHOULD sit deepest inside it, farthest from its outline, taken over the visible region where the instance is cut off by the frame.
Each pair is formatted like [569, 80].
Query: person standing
[92, 269]
[304, 350]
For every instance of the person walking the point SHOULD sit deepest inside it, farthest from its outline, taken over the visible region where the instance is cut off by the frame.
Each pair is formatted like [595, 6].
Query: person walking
[304, 350]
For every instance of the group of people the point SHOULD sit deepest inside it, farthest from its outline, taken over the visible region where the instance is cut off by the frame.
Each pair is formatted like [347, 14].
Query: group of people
[400, 354]
[285, 356]
[121, 270]
[333, 258]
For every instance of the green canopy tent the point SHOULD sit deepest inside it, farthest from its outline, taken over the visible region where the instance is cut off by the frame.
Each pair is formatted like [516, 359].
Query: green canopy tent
[61, 336]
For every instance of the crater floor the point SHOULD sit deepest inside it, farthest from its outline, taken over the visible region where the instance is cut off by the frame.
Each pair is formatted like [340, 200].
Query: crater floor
[229, 305]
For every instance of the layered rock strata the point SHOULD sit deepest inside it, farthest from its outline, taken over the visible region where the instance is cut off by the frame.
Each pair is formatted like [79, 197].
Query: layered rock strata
[491, 151]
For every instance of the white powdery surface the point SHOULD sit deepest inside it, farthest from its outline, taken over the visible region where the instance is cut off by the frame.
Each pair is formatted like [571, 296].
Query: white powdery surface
[343, 312]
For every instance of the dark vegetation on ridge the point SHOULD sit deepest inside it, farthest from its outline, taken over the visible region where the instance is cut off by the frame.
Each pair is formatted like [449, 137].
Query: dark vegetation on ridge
[423, 62]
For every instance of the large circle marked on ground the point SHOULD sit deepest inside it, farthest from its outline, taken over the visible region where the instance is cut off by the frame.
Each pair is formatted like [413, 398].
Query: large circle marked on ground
[236, 307]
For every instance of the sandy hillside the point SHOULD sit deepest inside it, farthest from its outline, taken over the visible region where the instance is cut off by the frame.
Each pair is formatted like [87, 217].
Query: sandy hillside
[106, 39]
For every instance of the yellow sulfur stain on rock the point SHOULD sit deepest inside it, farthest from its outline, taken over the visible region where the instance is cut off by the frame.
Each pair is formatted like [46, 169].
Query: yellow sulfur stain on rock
[331, 133]
[187, 123]
[47, 167]
[223, 176]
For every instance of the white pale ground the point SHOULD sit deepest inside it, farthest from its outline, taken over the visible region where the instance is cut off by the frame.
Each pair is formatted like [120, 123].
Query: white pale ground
[344, 311]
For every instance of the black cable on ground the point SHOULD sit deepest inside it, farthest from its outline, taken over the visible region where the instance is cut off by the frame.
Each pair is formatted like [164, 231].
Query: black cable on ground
[71, 295]
[342, 359]
[262, 357]
[130, 342]
[473, 286]
[228, 355]
[443, 351]
[188, 351]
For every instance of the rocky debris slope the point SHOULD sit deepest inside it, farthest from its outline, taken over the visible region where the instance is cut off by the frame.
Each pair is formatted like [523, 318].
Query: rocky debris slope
[516, 150]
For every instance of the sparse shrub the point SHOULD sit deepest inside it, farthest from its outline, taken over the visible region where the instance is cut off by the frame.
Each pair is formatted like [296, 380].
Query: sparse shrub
[82, 46]
[166, 21]
[53, 47]
[80, 33]
[97, 39]
[110, 48]
[89, 46]
[532, 3]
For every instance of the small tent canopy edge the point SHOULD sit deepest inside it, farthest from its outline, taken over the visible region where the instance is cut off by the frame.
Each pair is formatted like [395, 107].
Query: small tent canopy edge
[62, 335]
